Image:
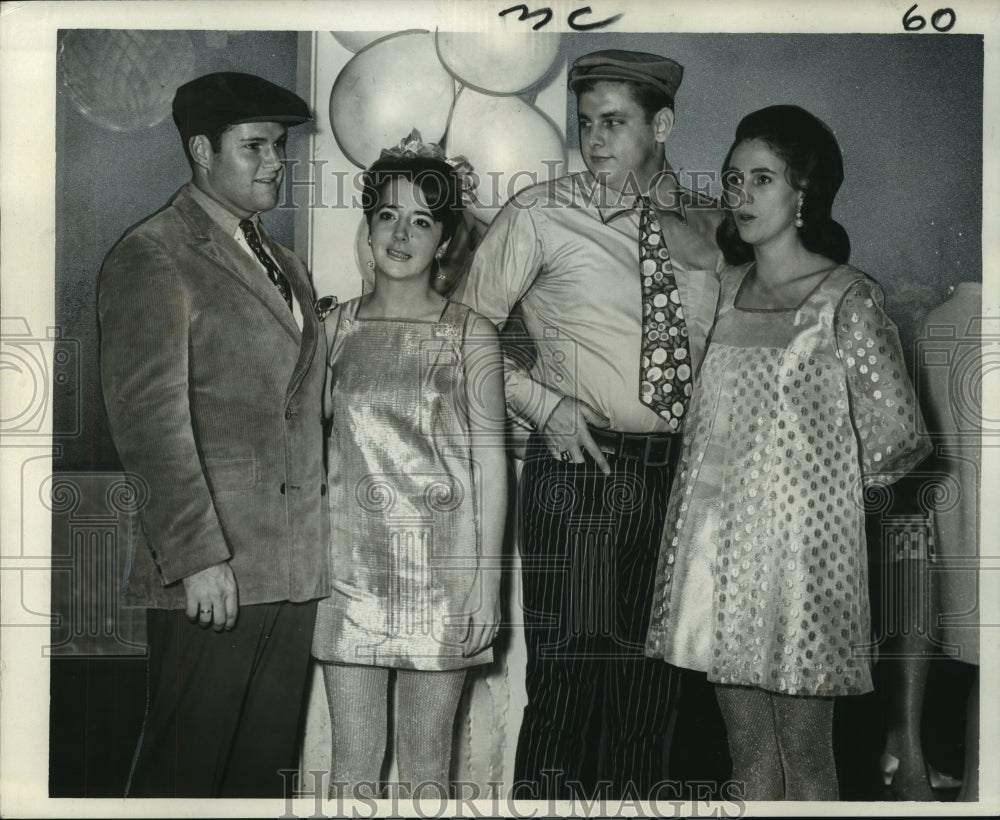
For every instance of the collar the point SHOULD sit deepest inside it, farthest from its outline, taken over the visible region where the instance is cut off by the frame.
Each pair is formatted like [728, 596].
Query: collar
[230, 223]
[669, 197]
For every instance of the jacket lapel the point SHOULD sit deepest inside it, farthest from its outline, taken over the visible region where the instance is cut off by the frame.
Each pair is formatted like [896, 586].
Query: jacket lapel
[302, 289]
[234, 261]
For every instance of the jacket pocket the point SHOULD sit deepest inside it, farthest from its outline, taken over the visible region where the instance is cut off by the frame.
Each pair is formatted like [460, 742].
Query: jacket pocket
[228, 474]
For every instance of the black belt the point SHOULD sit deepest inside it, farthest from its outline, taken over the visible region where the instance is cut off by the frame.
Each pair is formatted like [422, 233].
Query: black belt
[653, 449]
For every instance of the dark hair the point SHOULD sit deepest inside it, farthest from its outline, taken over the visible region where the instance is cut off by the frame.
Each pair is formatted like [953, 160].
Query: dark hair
[214, 139]
[815, 167]
[436, 179]
[649, 99]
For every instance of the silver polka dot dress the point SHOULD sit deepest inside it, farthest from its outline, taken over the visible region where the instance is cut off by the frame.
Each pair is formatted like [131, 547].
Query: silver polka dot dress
[762, 577]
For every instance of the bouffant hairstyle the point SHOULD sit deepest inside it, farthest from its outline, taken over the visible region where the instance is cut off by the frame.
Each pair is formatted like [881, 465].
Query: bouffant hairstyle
[436, 179]
[814, 166]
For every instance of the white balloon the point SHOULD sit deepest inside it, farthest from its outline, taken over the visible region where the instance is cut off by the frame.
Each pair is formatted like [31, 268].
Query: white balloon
[357, 40]
[509, 143]
[574, 161]
[498, 61]
[385, 91]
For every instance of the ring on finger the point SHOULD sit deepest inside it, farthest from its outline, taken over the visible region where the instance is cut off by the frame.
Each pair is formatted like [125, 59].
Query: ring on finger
[206, 611]
[565, 455]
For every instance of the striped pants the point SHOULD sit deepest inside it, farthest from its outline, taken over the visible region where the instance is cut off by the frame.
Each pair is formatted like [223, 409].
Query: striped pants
[598, 710]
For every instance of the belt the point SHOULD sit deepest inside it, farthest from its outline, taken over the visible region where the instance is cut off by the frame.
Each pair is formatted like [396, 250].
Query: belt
[653, 449]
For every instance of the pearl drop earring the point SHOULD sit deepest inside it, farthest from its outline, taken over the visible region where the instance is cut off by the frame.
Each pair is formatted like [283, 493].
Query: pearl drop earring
[798, 215]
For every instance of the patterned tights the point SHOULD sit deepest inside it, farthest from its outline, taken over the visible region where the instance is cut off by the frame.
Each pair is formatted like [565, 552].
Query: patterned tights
[358, 697]
[781, 745]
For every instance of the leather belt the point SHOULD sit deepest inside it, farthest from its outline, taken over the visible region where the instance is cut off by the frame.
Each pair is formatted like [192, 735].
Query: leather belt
[652, 449]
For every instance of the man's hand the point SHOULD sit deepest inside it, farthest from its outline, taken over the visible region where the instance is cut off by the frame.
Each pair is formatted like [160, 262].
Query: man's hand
[212, 597]
[566, 431]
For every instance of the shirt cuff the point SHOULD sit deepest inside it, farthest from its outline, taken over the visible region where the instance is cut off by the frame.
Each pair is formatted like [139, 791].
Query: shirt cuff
[529, 399]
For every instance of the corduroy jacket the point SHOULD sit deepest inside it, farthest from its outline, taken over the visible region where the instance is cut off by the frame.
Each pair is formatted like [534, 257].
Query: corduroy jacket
[214, 400]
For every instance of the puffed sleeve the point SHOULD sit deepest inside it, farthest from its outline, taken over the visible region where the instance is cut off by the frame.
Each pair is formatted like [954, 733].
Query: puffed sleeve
[884, 410]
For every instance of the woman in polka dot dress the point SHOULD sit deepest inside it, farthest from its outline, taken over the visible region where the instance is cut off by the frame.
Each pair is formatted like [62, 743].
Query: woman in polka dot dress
[802, 401]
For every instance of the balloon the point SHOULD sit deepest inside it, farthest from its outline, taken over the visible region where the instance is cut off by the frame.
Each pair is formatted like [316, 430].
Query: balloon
[510, 144]
[385, 91]
[125, 80]
[357, 40]
[498, 62]
[574, 161]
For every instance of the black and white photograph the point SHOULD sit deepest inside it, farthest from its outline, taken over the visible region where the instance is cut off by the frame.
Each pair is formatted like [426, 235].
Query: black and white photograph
[477, 408]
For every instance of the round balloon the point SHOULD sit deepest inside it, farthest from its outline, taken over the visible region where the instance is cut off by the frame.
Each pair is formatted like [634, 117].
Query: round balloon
[510, 144]
[574, 161]
[125, 80]
[498, 61]
[386, 90]
[357, 40]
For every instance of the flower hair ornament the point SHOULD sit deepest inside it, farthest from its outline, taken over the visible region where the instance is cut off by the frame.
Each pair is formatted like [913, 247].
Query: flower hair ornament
[413, 146]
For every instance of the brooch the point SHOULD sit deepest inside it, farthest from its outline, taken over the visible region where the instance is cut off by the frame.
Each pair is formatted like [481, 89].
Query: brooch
[324, 306]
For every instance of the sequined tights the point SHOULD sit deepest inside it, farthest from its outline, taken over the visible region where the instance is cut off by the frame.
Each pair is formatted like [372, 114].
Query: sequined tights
[358, 697]
[781, 745]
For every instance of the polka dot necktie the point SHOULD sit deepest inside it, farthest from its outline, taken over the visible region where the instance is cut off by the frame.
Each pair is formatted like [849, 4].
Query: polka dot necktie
[665, 377]
[273, 271]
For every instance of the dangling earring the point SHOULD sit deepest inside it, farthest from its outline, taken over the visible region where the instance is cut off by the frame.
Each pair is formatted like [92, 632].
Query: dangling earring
[441, 275]
[371, 262]
[798, 215]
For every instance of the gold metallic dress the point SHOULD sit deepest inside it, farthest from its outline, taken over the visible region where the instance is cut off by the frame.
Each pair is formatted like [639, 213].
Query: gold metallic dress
[762, 577]
[403, 495]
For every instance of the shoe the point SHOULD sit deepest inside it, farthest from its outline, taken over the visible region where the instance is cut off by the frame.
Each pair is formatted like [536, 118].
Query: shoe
[915, 785]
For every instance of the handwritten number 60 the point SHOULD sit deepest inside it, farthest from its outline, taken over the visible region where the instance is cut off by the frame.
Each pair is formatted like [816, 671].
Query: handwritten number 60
[914, 22]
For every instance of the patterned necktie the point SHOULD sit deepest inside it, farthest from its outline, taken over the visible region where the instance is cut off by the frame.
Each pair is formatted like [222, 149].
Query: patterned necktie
[273, 271]
[665, 377]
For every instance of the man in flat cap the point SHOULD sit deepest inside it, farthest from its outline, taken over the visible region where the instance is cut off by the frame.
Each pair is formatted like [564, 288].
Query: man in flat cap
[615, 274]
[212, 363]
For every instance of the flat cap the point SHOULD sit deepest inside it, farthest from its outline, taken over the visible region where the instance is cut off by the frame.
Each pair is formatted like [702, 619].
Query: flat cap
[615, 65]
[225, 98]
